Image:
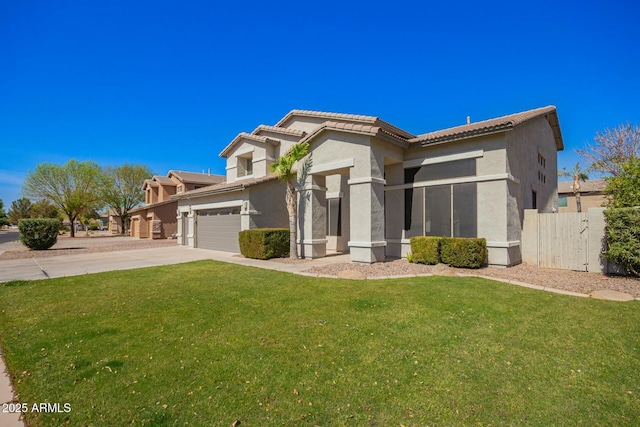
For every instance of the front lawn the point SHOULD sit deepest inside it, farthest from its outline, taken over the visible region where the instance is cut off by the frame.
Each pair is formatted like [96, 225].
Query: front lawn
[209, 343]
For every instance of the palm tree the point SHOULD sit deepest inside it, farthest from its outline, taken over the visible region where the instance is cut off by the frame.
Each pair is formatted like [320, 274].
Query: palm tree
[578, 175]
[283, 169]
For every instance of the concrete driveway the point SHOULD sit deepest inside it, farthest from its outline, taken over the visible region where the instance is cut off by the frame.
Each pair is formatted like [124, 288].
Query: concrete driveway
[74, 265]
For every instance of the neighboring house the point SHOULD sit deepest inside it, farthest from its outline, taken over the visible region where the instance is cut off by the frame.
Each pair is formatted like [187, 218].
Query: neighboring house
[114, 224]
[157, 218]
[591, 195]
[373, 186]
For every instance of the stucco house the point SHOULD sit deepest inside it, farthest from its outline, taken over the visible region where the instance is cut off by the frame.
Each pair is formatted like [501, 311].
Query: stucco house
[372, 186]
[157, 218]
[591, 195]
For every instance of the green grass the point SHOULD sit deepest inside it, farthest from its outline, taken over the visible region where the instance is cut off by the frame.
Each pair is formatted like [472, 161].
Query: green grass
[209, 343]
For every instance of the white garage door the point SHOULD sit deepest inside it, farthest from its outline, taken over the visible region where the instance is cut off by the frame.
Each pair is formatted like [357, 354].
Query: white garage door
[218, 229]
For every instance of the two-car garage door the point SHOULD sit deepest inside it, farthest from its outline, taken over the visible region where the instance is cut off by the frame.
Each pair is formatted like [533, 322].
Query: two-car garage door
[218, 229]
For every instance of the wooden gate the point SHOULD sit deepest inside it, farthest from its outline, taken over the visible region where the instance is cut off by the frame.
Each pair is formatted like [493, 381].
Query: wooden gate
[563, 241]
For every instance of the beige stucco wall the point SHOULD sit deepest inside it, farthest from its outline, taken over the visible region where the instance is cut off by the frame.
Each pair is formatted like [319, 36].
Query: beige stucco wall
[267, 206]
[586, 200]
[261, 206]
[364, 168]
[167, 215]
[261, 160]
[286, 141]
[306, 124]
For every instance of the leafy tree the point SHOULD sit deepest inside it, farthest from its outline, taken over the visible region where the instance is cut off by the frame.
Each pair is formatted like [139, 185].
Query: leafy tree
[3, 215]
[623, 238]
[44, 209]
[87, 217]
[283, 169]
[611, 148]
[73, 187]
[623, 190]
[121, 189]
[578, 175]
[20, 209]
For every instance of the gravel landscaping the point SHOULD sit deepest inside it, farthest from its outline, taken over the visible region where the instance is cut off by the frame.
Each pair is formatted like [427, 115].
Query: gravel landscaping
[573, 281]
[83, 245]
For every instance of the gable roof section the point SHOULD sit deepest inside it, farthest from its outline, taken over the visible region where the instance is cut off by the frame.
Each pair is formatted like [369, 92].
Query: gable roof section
[224, 187]
[151, 206]
[149, 183]
[487, 127]
[340, 117]
[274, 129]
[356, 128]
[163, 180]
[243, 135]
[195, 177]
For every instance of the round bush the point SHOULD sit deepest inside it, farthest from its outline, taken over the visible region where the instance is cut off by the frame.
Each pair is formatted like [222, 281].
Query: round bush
[39, 233]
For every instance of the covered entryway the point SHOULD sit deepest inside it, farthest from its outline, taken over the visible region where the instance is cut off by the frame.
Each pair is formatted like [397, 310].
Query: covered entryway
[218, 229]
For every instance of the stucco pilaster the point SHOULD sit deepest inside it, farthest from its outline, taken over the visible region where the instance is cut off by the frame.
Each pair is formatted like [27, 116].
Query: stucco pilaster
[312, 209]
[367, 242]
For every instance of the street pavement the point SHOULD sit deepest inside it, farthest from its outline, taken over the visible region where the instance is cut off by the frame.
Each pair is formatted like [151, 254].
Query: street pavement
[8, 236]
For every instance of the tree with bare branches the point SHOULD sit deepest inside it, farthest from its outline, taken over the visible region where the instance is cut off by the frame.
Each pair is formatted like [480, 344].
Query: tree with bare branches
[612, 148]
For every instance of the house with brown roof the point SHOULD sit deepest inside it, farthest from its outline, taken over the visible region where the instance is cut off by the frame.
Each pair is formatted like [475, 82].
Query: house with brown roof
[372, 186]
[157, 218]
[592, 195]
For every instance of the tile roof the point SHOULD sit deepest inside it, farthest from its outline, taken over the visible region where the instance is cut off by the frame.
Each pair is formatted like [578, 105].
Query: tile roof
[274, 129]
[197, 178]
[338, 117]
[485, 127]
[151, 206]
[150, 183]
[588, 186]
[224, 187]
[164, 180]
[244, 135]
[356, 128]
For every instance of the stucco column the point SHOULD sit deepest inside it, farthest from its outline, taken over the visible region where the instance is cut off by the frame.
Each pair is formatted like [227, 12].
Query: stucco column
[367, 242]
[312, 213]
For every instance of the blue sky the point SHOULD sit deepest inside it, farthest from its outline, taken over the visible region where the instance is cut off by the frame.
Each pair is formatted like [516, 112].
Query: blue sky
[169, 84]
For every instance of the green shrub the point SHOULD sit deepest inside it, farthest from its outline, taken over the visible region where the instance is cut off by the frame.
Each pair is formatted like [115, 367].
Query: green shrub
[425, 249]
[264, 243]
[623, 238]
[94, 227]
[38, 233]
[462, 252]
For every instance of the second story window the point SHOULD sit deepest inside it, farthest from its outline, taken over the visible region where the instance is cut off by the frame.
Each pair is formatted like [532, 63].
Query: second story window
[250, 166]
[245, 165]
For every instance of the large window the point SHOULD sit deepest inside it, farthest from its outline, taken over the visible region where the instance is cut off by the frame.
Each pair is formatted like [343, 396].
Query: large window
[443, 210]
[562, 201]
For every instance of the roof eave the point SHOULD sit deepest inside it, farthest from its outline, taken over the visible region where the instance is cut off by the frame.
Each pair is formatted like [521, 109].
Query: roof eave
[208, 192]
[466, 135]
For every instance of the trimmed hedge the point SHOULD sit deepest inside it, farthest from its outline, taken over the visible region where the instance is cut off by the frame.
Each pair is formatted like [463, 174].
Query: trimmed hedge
[463, 252]
[39, 233]
[264, 243]
[623, 238]
[425, 249]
